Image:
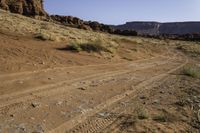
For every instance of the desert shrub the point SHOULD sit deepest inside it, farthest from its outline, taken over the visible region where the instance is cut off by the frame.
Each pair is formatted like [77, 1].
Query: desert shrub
[42, 36]
[128, 40]
[93, 46]
[142, 113]
[160, 118]
[74, 47]
[192, 70]
[193, 49]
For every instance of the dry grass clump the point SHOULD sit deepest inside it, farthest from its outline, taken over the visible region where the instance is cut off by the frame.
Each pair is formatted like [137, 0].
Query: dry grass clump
[42, 36]
[92, 46]
[141, 112]
[161, 118]
[192, 71]
[193, 48]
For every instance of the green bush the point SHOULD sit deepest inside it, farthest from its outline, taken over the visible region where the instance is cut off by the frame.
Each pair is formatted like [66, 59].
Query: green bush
[192, 70]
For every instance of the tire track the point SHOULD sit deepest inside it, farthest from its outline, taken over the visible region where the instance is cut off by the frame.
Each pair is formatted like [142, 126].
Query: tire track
[20, 75]
[70, 126]
[60, 87]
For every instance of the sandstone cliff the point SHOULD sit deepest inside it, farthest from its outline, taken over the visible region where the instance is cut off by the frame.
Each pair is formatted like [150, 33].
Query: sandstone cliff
[24, 7]
[155, 28]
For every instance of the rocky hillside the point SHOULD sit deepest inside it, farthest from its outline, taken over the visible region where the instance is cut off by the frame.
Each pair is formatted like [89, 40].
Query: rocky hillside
[24, 7]
[155, 28]
[33, 8]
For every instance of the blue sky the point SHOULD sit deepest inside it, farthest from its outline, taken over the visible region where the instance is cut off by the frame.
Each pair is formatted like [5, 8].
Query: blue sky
[121, 11]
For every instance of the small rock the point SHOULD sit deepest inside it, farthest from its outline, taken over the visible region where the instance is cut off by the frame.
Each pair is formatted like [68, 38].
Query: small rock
[94, 85]
[142, 97]
[189, 100]
[42, 63]
[170, 93]
[82, 88]
[184, 119]
[32, 118]
[50, 78]
[162, 92]
[83, 82]
[103, 114]
[12, 115]
[59, 102]
[63, 113]
[155, 101]
[196, 101]
[20, 82]
[35, 104]
[40, 129]
[21, 127]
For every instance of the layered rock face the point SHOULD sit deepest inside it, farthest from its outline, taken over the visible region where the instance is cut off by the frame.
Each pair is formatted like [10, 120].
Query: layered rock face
[24, 7]
[155, 28]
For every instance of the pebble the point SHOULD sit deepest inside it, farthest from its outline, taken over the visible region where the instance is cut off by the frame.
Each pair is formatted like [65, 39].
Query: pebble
[162, 92]
[155, 101]
[104, 114]
[42, 63]
[142, 97]
[12, 115]
[22, 127]
[35, 104]
[82, 88]
[20, 82]
[50, 78]
[59, 102]
[94, 85]
[32, 118]
[40, 129]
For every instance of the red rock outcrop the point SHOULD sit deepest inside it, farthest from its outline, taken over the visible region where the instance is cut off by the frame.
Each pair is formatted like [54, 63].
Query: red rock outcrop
[24, 7]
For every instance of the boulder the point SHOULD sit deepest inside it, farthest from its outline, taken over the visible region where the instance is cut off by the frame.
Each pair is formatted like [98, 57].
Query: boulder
[24, 7]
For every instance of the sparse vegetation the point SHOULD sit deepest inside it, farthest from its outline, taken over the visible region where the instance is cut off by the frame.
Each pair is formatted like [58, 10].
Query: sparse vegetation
[128, 59]
[160, 118]
[93, 46]
[193, 49]
[142, 113]
[192, 70]
[42, 36]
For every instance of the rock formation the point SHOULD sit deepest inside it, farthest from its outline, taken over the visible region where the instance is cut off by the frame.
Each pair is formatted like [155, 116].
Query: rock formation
[155, 28]
[33, 8]
[78, 23]
[24, 7]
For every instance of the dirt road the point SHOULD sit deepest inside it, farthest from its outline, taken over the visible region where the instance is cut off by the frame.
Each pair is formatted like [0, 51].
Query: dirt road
[74, 99]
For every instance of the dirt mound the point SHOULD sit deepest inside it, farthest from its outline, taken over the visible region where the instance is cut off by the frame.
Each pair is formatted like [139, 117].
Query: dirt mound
[24, 7]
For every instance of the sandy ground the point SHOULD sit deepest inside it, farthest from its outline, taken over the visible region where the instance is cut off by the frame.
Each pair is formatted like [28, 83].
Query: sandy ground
[46, 90]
